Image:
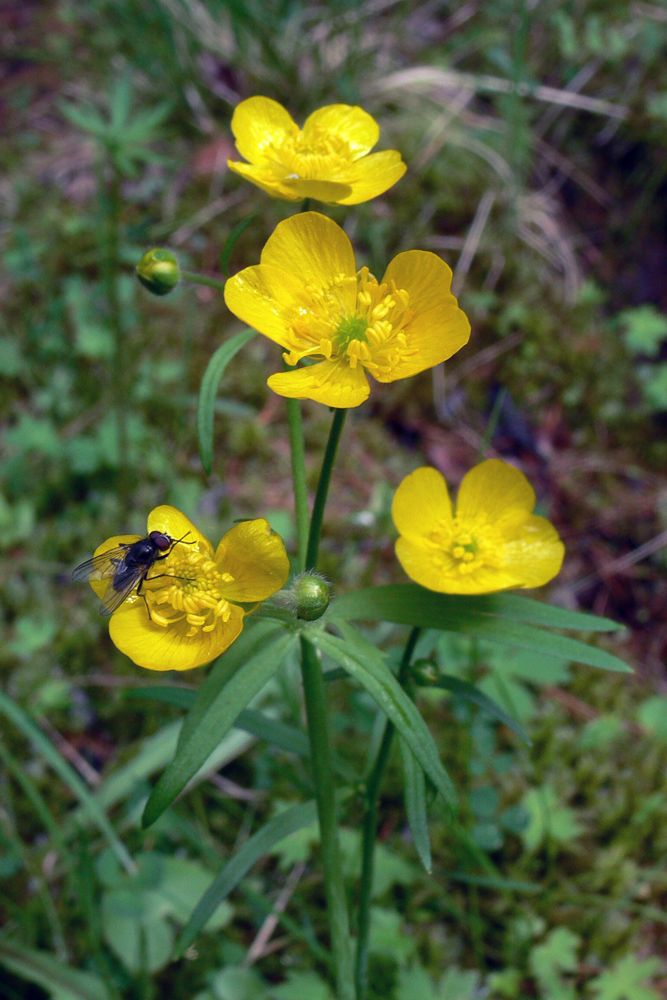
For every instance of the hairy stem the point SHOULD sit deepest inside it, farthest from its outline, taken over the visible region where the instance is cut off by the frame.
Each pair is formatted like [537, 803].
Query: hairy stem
[320, 755]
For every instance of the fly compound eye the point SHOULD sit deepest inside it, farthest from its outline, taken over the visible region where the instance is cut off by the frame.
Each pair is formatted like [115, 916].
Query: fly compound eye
[162, 541]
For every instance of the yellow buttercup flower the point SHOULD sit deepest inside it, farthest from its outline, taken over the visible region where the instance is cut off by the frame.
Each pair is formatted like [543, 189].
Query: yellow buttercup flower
[492, 542]
[327, 159]
[306, 295]
[187, 612]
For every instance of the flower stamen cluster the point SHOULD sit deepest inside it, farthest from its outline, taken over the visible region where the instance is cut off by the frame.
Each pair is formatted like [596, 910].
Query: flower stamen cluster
[191, 590]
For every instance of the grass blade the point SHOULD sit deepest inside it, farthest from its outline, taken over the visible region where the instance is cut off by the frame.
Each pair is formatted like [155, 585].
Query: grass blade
[88, 802]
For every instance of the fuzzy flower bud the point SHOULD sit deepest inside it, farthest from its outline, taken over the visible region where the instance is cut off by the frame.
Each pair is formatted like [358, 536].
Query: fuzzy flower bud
[158, 271]
[310, 596]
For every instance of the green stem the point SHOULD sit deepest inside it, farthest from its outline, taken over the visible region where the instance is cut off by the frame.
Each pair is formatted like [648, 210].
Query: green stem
[320, 754]
[201, 279]
[299, 478]
[368, 831]
[323, 488]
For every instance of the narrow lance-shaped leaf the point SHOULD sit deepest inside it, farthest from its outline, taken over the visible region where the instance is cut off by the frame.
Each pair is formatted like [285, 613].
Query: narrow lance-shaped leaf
[366, 664]
[256, 635]
[375, 602]
[68, 775]
[209, 389]
[215, 722]
[258, 724]
[415, 804]
[409, 604]
[469, 692]
[289, 821]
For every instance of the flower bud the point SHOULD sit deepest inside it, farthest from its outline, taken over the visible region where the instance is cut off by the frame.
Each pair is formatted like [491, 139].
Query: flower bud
[424, 673]
[158, 271]
[310, 594]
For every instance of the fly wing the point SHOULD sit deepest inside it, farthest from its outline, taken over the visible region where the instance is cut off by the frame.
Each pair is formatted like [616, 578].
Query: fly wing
[101, 567]
[114, 598]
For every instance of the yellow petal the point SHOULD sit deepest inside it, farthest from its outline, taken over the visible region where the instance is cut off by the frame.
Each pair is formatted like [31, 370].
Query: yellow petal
[421, 503]
[313, 249]
[438, 328]
[351, 123]
[261, 295]
[255, 556]
[535, 555]
[100, 586]
[416, 558]
[496, 491]
[173, 522]
[258, 122]
[158, 648]
[333, 383]
[373, 175]
[290, 188]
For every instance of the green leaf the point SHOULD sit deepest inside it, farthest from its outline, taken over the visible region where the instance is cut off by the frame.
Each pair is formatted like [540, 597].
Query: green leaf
[41, 968]
[414, 785]
[625, 980]
[302, 986]
[645, 330]
[230, 242]
[652, 715]
[259, 844]
[216, 720]
[388, 937]
[46, 749]
[209, 388]
[372, 602]
[548, 818]
[476, 697]
[556, 955]
[367, 665]
[256, 635]
[408, 604]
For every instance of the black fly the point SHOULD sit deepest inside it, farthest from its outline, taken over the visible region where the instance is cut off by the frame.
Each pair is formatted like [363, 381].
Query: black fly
[126, 565]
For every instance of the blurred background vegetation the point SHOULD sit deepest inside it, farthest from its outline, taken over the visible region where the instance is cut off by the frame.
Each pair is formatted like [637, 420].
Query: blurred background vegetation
[534, 134]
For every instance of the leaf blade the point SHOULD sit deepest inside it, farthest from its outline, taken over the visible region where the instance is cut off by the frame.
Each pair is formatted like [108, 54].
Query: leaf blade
[472, 694]
[366, 664]
[209, 388]
[409, 604]
[215, 722]
[414, 791]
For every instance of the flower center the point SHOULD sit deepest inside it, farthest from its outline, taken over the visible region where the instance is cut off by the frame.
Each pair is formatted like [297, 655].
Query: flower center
[187, 591]
[320, 154]
[373, 334]
[466, 547]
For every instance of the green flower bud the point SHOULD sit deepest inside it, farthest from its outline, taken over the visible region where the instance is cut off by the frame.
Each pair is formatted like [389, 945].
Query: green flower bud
[310, 596]
[424, 672]
[158, 271]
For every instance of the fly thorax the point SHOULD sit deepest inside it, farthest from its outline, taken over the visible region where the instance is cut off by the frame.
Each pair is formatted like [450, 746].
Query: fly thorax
[188, 591]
